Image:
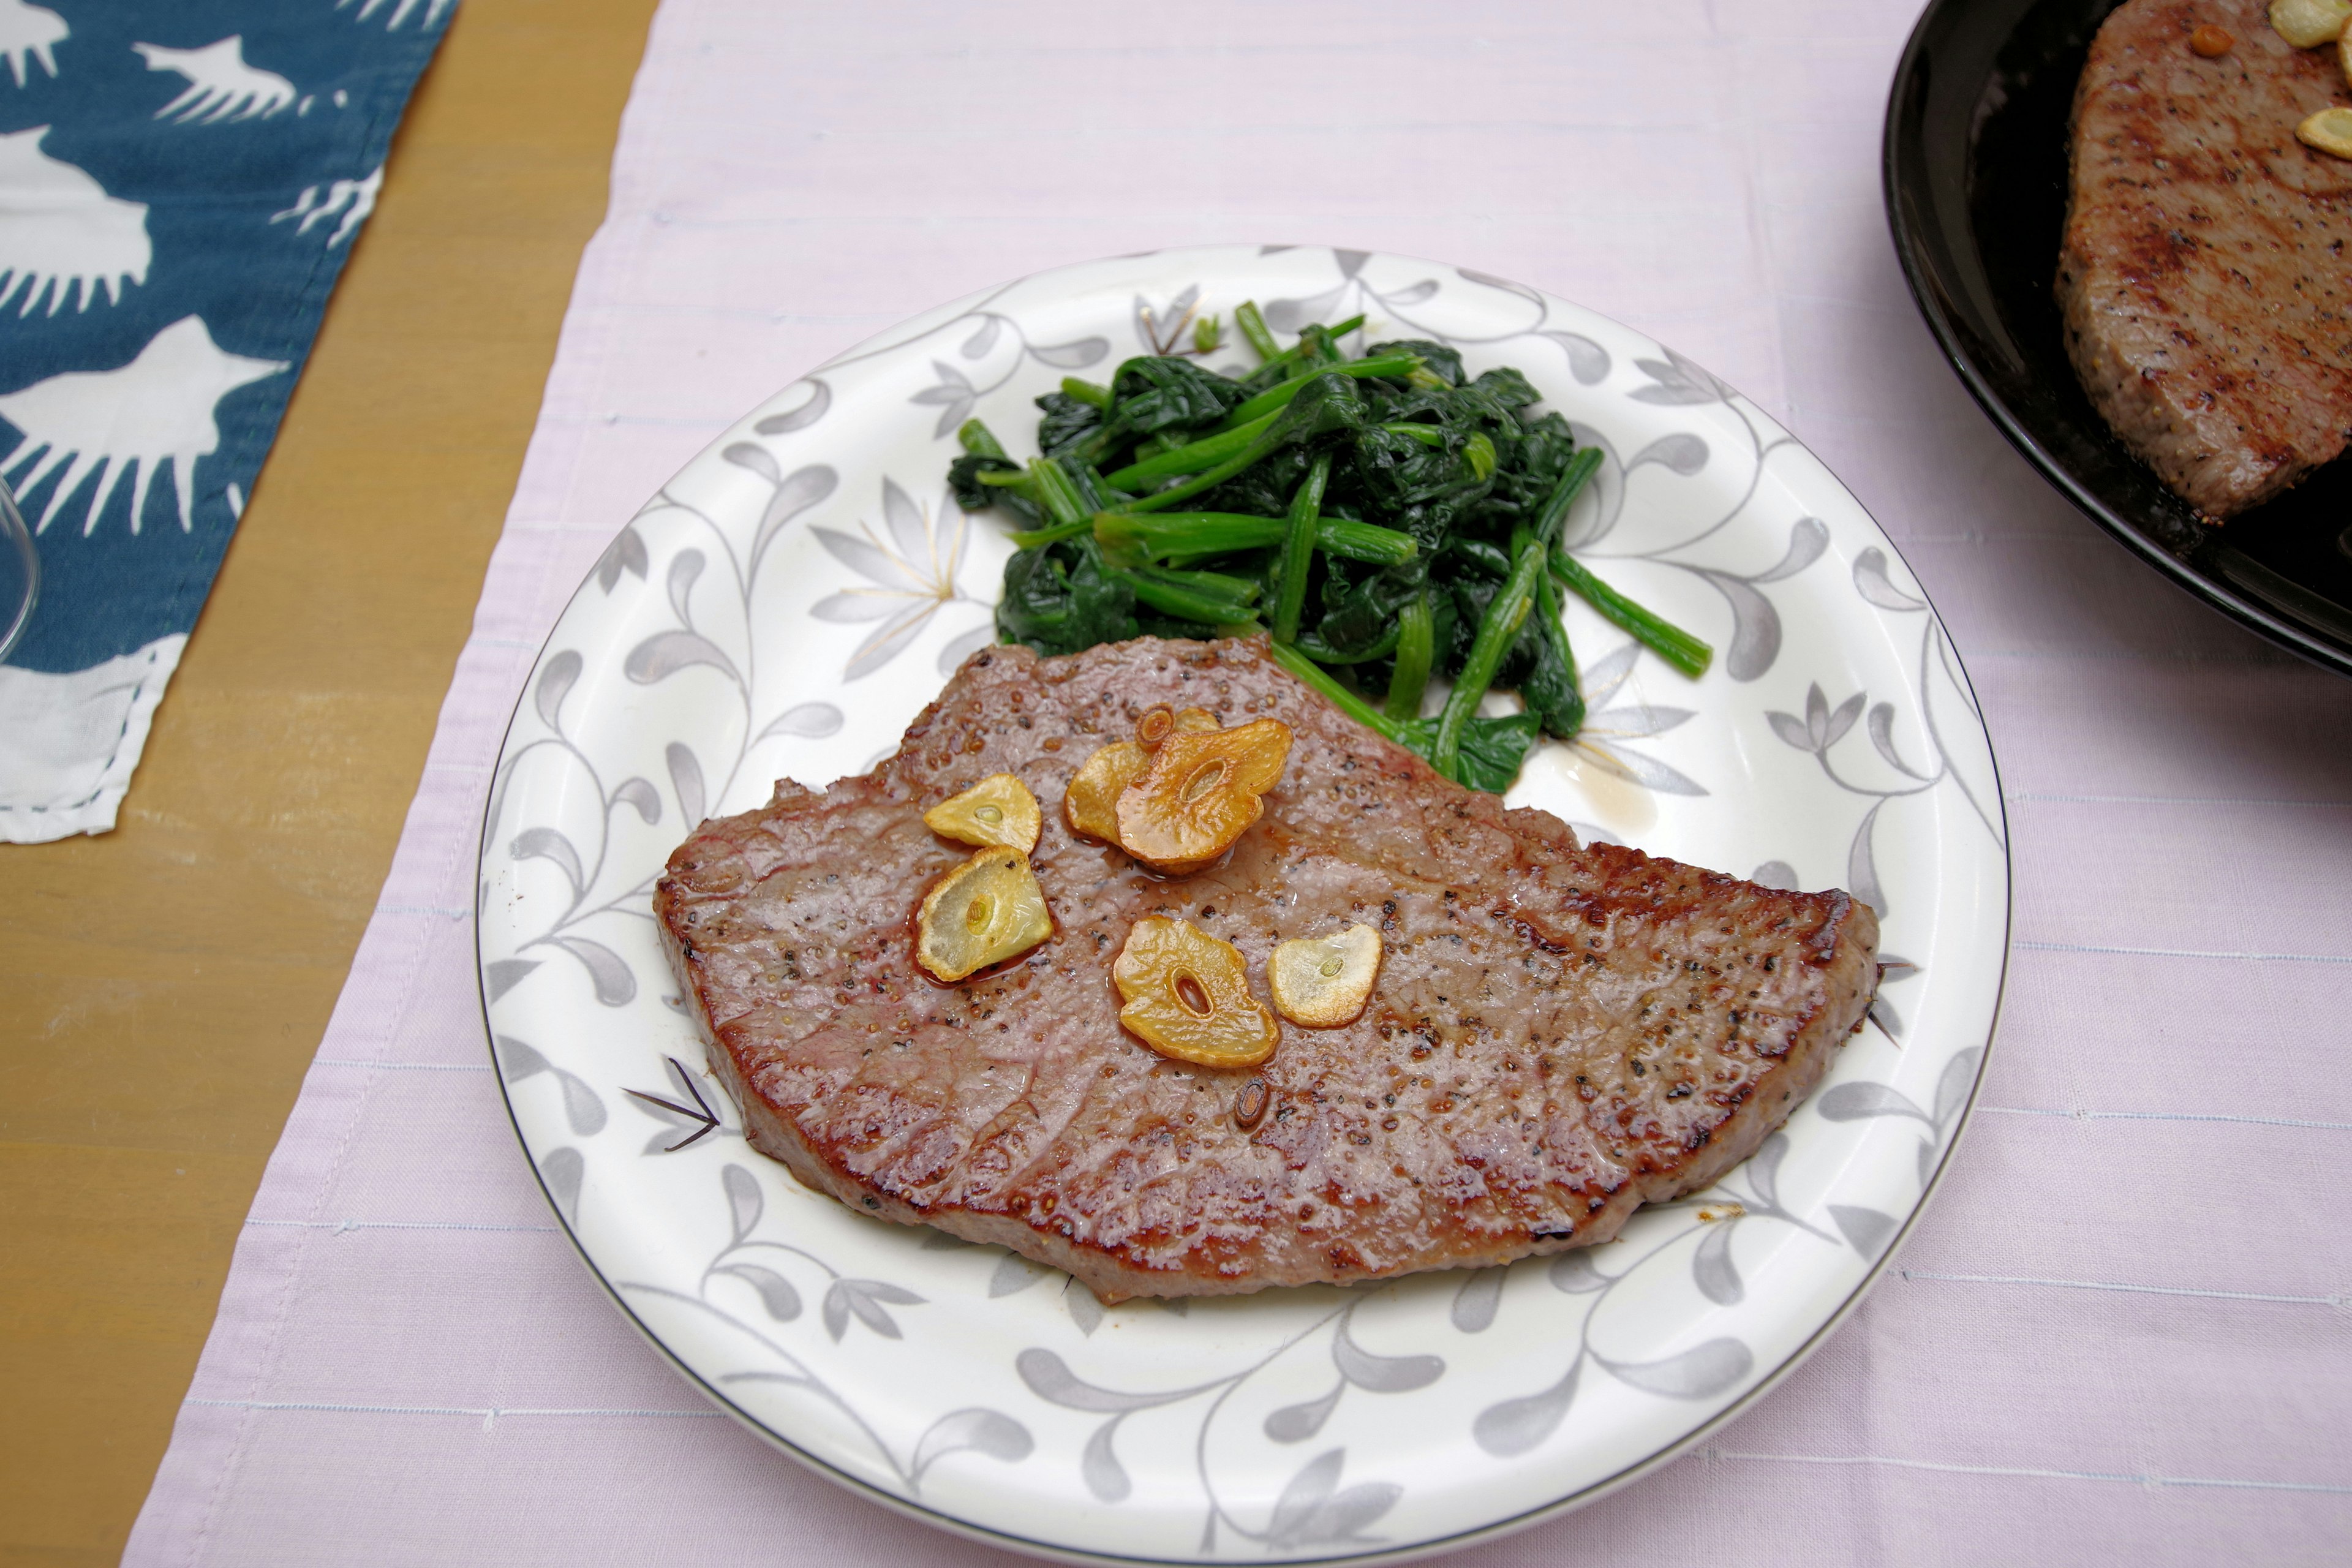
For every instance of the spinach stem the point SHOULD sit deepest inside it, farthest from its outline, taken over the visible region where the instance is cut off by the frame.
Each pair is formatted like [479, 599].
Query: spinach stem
[1189, 459]
[1578, 473]
[1347, 702]
[1253, 328]
[1321, 652]
[1547, 612]
[1032, 538]
[1171, 536]
[1303, 351]
[1417, 650]
[1093, 393]
[1497, 630]
[1298, 548]
[1685, 652]
[980, 440]
[1281, 392]
[1210, 479]
[1059, 496]
[1181, 600]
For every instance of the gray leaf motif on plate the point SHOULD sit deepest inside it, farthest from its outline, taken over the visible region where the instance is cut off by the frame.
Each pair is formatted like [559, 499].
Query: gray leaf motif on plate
[953, 394]
[1864, 1101]
[1313, 1511]
[549, 845]
[1756, 623]
[906, 579]
[686, 778]
[976, 1430]
[1049, 1377]
[864, 1300]
[502, 976]
[1512, 1427]
[616, 983]
[639, 794]
[1712, 1270]
[1703, 1372]
[1473, 1311]
[1014, 1273]
[1871, 582]
[1488, 280]
[1587, 361]
[1867, 1229]
[1290, 315]
[1357, 1368]
[626, 553]
[1076, 354]
[1601, 741]
[582, 1107]
[563, 1170]
[555, 682]
[776, 1293]
[806, 720]
[1084, 1307]
[1682, 452]
[1676, 380]
[820, 398]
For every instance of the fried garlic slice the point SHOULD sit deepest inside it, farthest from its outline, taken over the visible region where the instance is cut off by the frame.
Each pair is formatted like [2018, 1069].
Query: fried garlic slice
[2307, 24]
[984, 911]
[1324, 981]
[2330, 131]
[1202, 791]
[1158, 723]
[1187, 996]
[998, 810]
[1090, 805]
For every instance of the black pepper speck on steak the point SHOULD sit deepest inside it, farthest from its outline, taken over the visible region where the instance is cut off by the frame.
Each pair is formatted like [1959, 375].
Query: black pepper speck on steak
[1558, 1034]
[2204, 277]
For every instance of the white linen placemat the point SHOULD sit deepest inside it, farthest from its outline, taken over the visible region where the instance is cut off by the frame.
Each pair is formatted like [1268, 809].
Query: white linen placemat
[2120, 1332]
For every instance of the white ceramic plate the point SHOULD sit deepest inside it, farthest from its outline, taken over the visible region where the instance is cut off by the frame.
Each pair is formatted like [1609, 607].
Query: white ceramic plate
[794, 597]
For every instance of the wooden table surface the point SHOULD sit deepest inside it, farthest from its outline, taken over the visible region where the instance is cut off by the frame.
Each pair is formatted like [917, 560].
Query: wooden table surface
[167, 983]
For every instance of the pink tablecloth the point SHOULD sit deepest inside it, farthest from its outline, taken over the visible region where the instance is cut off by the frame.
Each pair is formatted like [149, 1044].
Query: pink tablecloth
[2121, 1331]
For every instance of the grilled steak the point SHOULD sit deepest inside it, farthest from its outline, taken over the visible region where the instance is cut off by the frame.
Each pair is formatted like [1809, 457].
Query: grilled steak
[1558, 1034]
[2204, 277]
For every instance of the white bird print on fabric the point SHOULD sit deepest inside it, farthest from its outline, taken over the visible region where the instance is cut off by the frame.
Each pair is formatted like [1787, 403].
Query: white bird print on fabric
[25, 34]
[401, 11]
[59, 231]
[157, 409]
[221, 86]
[354, 199]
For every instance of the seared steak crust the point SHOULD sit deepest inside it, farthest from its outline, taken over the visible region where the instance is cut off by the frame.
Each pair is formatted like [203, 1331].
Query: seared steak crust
[1558, 1034]
[2204, 277]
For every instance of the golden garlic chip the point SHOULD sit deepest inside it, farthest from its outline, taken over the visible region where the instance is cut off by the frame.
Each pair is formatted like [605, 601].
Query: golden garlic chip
[1324, 981]
[1188, 996]
[984, 911]
[998, 810]
[1158, 723]
[2307, 24]
[1090, 805]
[1201, 792]
[2330, 131]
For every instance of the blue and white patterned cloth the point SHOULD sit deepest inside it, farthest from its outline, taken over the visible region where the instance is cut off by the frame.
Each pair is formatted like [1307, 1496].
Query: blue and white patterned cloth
[180, 183]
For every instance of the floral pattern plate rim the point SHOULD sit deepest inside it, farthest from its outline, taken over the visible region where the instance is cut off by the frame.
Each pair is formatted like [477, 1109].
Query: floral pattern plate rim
[794, 597]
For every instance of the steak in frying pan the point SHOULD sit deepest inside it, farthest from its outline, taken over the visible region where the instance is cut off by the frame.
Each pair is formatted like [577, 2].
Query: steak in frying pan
[1557, 1035]
[2204, 277]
